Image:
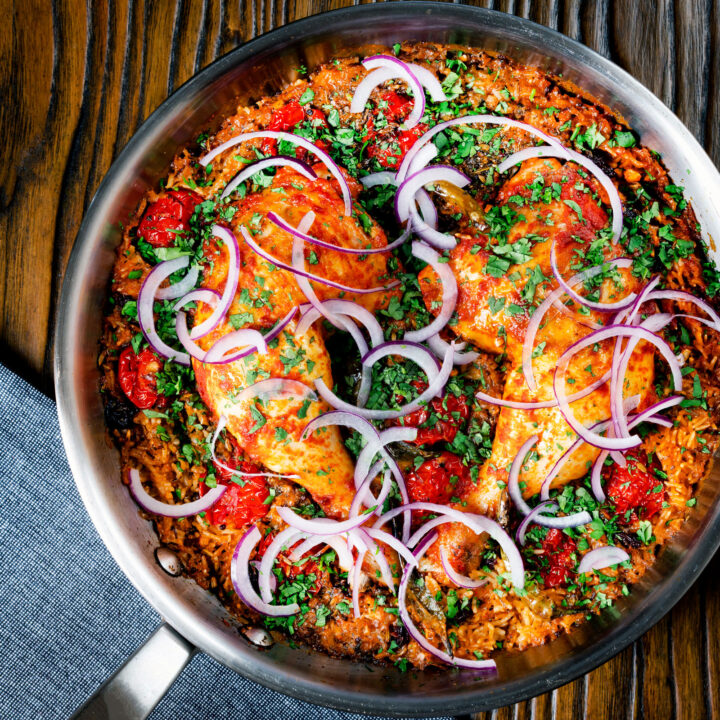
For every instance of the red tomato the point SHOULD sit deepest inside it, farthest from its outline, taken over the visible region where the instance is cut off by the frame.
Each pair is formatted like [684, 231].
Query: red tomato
[241, 504]
[557, 550]
[438, 480]
[452, 414]
[283, 119]
[136, 375]
[167, 216]
[633, 487]
[390, 153]
[398, 106]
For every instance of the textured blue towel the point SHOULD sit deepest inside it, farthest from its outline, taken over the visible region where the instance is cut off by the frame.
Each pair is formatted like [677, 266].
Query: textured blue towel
[68, 615]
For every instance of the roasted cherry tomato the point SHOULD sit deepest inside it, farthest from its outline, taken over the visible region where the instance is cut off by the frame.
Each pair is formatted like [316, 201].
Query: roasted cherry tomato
[398, 106]
[390, 152]
[168, 216]
[635, 487]
[283, 119]
[137, 376]
[438, 480]
[449, 413]
[242, 503]
[556, 560]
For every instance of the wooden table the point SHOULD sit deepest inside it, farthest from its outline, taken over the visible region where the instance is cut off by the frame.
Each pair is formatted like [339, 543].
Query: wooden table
[78, 79]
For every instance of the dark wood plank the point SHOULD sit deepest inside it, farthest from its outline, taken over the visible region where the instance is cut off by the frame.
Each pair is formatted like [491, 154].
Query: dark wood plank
[78, 78]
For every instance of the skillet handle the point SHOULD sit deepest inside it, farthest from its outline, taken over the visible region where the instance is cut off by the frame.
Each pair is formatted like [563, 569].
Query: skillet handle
[139, 685]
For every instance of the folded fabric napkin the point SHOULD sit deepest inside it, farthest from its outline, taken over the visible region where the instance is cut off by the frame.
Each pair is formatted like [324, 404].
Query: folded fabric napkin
[68, 615]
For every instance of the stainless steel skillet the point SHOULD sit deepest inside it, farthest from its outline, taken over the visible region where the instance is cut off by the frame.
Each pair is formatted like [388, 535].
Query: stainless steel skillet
[194, 618]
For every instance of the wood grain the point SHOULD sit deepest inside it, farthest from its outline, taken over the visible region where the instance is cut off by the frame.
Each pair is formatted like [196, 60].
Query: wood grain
[78, 78]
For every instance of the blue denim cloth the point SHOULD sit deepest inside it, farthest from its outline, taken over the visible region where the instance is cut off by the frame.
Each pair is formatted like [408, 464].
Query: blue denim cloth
[68, 615]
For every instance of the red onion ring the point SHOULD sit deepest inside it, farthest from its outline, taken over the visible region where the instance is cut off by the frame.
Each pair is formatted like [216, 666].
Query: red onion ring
[429, 82]
[336, 542]
[277, 161]
[391, 541]
[449, 293]
[145, 308]
[349, 309]
[156, 507]
[444, 241]
[249, 341]
[409, 187]
[233, 275]
[416, 634]
[546, 506]
[460, 580]
[602, 178]
[240, 576]
[477, 523]
[387, 67]
[295, 232]
[602, 557]
[407, 350]
[210, 297]
[296, 140]
[181, 287]
[378, 556]
[284, 540]
[440, 347]
[513, 477]
[681, 296]
[310, 276]
[319, 526]
[472, 120]
[539, 314]
[614, 331]
[603, 307]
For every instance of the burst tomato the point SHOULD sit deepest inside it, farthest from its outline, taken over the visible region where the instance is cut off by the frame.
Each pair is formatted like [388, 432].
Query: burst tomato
[286, 118]
[438, 480]
[389, 151]
[557, 558]
[635, 487]
[290, 569]
[450, 414]
[137, 376]
[167, 216]
[242, 503]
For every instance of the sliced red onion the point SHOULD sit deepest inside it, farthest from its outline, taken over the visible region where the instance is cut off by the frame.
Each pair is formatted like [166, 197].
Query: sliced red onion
[427, 209]
[364, 489]
[324, 281]
[387, 67]
[442, 240]
[614, 331]
[378, 556]
[248, 340]
[602, 557]
[513, 478]
[391, 541]
[539, 314]
[681, 296]
[416, 634]
[151, 505]
[210, 297]
[384, 177]
[460, 580]
[429, 82]
[145, 308]
[602, 178]
[449, 293]
[477, 523]
[473, 120]
[603, 307]
[348, 308]
[423, 157]
[319, 526]
[547, 506]
[437, 380]
[284, 540]
[222, 422]
[295, 232]
[181, 287]
[355, 581]
[439, 347]
[228, 295]
[277, 161]
[240, 576]
[336, 542]
[648, 415]
[437, 173]
[296, 140]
